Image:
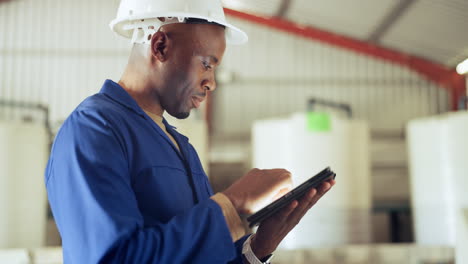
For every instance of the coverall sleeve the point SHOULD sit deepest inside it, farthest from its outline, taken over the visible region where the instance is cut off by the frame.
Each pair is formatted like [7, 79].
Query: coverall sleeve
[239, 244]
[89, 189]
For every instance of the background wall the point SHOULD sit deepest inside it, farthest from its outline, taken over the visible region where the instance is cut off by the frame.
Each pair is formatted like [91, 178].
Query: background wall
[276, 73]
[58, 52]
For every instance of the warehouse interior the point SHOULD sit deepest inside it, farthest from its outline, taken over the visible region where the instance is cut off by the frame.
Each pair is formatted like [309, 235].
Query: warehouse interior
[377, 90]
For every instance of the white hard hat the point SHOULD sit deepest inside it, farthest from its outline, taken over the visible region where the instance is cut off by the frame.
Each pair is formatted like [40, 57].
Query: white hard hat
[139, 19]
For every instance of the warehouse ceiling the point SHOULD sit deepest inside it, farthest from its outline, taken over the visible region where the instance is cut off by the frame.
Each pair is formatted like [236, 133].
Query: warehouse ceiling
[433, 29]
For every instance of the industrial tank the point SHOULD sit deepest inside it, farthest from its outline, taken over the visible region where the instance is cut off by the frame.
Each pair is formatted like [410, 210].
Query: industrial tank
[343, 215]
[438, 155]
[23, 203]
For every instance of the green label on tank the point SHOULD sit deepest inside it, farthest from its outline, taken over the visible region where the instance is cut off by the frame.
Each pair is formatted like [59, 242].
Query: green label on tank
[318, 122]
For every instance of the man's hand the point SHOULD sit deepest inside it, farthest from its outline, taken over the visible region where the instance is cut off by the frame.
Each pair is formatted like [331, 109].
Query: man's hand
[258, 188]
[273, 230]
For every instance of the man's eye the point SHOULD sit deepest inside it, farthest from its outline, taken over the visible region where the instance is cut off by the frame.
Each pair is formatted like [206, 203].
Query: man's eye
[206, 65]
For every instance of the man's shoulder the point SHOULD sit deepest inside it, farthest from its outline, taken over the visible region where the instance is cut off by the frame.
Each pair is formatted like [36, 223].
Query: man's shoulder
[99, 103]
[96, 110]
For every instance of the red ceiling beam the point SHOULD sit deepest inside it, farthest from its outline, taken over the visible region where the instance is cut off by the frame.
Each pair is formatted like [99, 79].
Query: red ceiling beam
[444, 76]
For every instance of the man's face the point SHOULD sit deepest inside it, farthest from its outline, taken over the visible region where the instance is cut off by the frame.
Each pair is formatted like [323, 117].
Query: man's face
[189, 72]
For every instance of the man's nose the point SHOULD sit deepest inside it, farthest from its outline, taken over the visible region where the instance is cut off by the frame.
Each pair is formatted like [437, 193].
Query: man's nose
[209, 84]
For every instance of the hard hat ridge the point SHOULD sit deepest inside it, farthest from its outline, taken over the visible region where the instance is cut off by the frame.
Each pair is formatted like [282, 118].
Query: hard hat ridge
[139, 19]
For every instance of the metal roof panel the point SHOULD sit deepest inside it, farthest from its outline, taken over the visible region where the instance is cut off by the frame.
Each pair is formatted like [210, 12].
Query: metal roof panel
[432, 29]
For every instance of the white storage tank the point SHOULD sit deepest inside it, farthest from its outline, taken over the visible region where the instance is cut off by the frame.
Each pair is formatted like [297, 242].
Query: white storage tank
[430, 182]
[23, 203]
[462, 237]
[438, 155]
[14, 256]
[342, 216]
[48, 255]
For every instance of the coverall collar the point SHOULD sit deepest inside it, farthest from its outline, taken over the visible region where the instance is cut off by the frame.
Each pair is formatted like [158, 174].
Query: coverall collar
[117, 93]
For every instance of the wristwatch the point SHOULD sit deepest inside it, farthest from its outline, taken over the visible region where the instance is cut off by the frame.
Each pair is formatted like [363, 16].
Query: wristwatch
[250, 256]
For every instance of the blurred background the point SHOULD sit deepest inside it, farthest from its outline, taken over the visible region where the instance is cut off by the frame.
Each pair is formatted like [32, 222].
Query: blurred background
[370, 88]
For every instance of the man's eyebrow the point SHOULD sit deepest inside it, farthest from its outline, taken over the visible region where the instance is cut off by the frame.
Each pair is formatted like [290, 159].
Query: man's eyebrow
[214, 59]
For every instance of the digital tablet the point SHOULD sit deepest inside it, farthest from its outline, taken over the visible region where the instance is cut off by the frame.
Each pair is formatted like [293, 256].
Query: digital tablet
[294, 194]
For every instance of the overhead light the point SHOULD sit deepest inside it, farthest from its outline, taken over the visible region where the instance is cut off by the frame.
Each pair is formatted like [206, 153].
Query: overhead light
[462, 67]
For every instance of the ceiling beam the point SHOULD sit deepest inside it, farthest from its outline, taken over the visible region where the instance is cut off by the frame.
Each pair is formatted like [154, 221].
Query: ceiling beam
[389, 20]
[283, 8]
[438, 73]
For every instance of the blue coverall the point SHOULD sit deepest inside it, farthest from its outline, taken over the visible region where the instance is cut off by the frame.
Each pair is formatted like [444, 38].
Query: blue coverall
[121, 192]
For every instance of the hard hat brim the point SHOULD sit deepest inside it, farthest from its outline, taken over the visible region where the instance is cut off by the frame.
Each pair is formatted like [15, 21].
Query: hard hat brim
[234, 35]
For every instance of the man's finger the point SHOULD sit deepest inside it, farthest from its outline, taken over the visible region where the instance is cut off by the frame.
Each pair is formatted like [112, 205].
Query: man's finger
[324, 188]
[285, 212]
[308, 201]
[280, 193]
[286, 181]
[299, 212]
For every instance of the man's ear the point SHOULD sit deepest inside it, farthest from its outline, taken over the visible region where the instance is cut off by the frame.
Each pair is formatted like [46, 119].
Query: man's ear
[159, 46]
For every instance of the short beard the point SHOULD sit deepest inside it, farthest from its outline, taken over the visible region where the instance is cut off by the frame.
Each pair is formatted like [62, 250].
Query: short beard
[177, 113]
[182, 115]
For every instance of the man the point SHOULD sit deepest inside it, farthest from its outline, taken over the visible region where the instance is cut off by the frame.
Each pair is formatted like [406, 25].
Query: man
[125, 187]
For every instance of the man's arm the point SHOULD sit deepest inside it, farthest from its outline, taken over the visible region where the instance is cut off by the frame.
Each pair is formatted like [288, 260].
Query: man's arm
[90, 193]
[246, 196]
